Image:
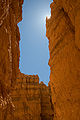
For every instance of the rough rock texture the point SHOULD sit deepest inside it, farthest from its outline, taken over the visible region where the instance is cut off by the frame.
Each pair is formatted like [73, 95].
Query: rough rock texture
[47, 111]
[29, 99]
[10, 15]
[32, 100]
[63, 32]
[21, 96]
[26, 98]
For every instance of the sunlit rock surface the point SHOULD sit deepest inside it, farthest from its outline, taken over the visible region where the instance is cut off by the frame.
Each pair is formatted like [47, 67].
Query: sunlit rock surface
[32, 100]
[21, 96]
[10, 15]
[63, 32]
[26, 98]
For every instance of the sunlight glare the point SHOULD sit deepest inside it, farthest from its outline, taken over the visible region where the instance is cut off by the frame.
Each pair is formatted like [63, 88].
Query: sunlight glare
[48, 16]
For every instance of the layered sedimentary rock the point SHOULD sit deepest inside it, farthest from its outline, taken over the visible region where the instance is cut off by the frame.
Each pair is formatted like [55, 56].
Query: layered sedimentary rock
[21, 96]
[26, 98]
[47, 111]
[32, 101]
[63, 32]
[10, 15]
[29, 99]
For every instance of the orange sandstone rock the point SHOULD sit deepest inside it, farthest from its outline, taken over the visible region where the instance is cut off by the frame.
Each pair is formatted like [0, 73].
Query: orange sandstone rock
[21, 96]
[26, 98]
[32, 100]
[10, 15]
[63, 32]
[47, 110]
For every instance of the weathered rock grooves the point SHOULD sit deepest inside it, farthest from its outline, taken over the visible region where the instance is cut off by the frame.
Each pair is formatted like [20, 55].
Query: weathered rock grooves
[22, 97]
[63, 31]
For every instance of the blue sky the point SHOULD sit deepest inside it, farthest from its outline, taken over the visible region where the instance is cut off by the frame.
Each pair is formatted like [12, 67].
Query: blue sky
[34, 52]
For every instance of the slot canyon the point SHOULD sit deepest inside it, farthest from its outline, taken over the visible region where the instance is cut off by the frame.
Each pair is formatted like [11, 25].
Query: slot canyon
[22, 97]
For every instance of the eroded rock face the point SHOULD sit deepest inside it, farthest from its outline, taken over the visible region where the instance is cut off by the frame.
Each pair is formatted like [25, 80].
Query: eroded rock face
[47, 110]
[63, 32]
[21, 96]
[29, 99]
[26, 98]
[10, 15]
[32, 100]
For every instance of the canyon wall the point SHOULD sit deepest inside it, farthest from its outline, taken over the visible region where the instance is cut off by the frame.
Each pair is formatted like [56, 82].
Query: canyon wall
[32, 101]
[10, 15]
[47, 110]
[21, 96]
[63, 32]
[26, 98]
